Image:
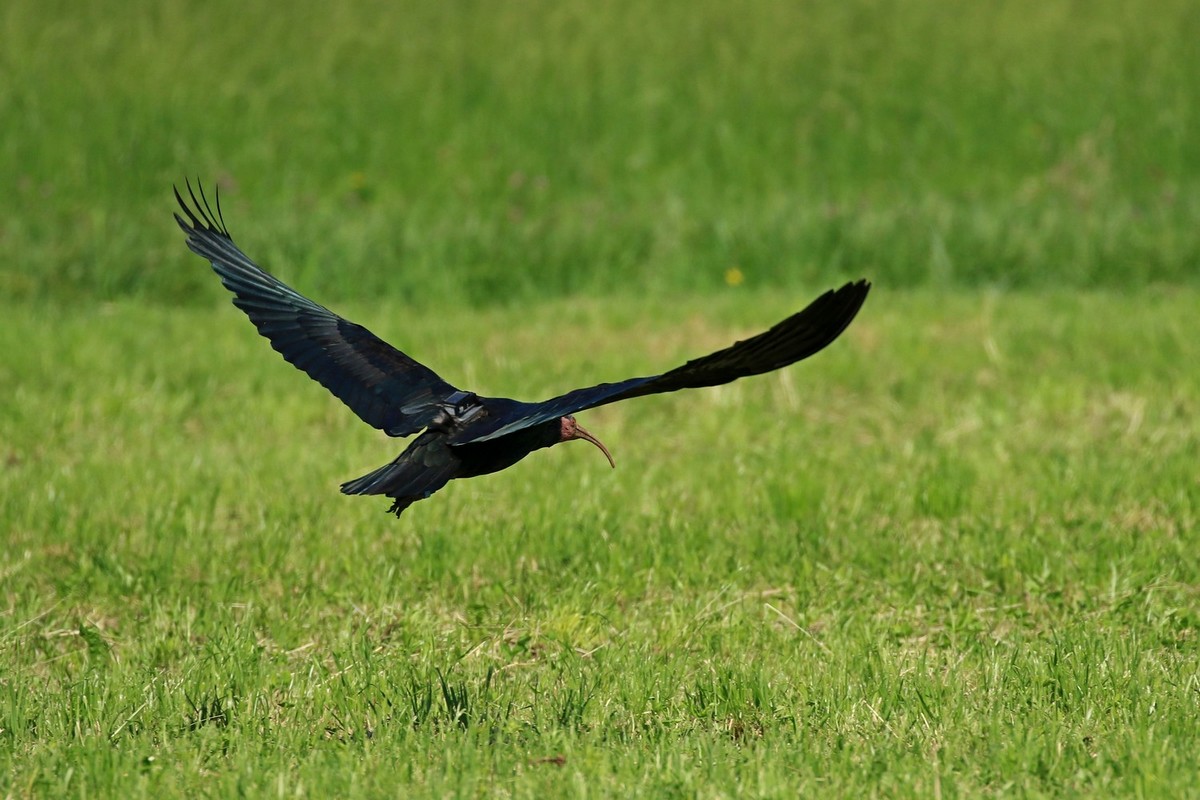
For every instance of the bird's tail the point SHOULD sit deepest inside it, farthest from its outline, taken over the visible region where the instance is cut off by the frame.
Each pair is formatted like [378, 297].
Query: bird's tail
[425, 466]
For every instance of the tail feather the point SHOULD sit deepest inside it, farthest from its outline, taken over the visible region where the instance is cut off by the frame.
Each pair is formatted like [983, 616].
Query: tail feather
[425, 466]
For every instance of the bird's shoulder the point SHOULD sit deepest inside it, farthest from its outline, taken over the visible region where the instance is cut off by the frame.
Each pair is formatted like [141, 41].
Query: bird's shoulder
[461, 411]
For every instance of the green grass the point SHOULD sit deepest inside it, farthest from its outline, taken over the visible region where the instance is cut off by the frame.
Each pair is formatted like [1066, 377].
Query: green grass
[458, 152]
[955, 553]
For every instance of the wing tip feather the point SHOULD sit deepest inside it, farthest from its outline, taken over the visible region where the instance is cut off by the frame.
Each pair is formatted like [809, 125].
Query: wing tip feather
[201, 217]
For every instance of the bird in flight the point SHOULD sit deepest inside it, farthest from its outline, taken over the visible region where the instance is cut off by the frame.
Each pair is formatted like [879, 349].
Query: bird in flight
[463, 434]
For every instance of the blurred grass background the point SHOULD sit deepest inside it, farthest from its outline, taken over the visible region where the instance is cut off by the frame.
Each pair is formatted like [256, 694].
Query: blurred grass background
[488, 153]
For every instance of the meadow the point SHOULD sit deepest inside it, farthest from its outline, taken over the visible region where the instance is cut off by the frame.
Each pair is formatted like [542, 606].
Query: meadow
[958, 549]
[954, 555]
[450, 153]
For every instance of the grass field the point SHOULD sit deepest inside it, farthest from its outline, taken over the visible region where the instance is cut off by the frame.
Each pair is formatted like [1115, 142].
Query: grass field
[958, 550]
[452, 152]
[955, 555]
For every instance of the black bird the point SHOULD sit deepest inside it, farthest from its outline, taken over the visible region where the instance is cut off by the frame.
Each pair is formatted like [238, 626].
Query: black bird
[463, 434]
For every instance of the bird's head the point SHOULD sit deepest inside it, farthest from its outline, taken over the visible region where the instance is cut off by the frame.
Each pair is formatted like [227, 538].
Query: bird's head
[570, 429]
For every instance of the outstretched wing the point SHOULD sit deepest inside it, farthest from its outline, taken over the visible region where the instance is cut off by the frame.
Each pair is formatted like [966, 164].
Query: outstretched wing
[383, 386]
[797, 337]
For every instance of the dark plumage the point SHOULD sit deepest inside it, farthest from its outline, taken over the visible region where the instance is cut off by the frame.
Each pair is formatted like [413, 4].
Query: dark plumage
[463, 434]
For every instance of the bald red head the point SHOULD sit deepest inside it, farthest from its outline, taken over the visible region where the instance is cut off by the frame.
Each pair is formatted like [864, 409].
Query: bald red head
[573, 430]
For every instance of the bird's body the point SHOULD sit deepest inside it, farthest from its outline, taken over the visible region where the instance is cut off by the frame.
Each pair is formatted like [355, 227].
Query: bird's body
[430, 462]
[463, 435]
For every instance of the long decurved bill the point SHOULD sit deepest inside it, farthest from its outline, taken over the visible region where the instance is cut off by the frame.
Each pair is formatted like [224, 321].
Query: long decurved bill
[581, 433]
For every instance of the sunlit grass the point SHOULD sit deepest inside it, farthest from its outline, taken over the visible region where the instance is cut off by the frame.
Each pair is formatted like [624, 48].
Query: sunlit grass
[957, 550]
[955, 555]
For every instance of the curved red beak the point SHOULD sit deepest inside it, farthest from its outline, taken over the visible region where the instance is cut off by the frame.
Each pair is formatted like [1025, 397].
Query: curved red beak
[581, 433]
